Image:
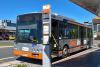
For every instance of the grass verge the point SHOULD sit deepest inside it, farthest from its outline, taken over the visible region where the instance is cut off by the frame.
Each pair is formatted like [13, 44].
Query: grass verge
[21, 65]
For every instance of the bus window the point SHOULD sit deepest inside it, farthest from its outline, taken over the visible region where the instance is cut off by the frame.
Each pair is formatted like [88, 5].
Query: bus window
[61, 29]
[72, 31]
[30, 29]
[23, 35]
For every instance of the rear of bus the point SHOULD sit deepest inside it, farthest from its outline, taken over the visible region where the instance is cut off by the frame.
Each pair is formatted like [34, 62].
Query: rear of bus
[29, 36]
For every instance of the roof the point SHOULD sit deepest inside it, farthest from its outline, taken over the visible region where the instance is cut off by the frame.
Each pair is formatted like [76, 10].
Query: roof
[11, 24]
[96, 20]
[70, 20]
[10, 28]
[90, 5]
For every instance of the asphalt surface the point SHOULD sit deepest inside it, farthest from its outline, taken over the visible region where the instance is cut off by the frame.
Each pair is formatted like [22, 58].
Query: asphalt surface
[88, 60]
[91, 59]
[6, 54]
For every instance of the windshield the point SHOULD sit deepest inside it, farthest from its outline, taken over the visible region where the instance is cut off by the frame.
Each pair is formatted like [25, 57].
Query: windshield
[27, 35]
[29, 30]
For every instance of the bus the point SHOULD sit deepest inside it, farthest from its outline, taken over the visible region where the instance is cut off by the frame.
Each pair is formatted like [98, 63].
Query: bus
[67, 36]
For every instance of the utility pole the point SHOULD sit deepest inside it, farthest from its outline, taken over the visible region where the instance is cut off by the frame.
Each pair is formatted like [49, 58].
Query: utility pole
[46, 18]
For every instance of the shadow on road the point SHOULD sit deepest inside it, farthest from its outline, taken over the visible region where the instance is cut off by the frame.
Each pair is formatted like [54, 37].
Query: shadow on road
[59, 58]
[30, 60]
[91, 59]
[88, 60]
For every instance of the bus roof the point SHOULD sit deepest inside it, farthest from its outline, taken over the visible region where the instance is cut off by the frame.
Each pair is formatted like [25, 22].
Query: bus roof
[59, 17]
[28, 13]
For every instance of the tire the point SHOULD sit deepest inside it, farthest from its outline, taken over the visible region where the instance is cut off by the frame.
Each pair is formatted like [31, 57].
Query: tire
[65, 52]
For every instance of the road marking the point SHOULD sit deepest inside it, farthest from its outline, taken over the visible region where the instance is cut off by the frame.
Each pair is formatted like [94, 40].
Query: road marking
[6, 46]
[6, 58]
[8, 64]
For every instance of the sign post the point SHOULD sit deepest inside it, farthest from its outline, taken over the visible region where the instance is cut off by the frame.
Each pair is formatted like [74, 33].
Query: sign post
[98, 10]
[46, 17]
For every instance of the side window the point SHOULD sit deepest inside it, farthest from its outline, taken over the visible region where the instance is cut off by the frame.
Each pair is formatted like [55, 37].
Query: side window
[91, 33]
[65, 28]
[73, 31]
[61, 29]
[85, 34]
[69, 30]
[81, 32]
[88, 33]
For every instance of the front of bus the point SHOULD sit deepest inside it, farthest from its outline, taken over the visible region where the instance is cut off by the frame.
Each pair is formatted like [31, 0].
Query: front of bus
[29, 36]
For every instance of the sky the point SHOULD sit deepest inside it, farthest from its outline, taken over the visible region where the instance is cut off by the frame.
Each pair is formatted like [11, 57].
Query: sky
[9, 9]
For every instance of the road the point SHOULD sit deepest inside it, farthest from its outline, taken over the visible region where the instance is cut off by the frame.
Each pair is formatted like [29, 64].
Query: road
[81, 59]
[91, 59]
[6, 54]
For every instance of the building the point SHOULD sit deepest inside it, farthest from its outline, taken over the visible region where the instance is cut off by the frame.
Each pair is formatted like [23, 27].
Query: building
[96, 26]
[7, 27]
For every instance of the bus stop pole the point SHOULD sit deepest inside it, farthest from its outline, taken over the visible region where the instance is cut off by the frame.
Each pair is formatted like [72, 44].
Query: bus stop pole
[46, 56]
[46, 36]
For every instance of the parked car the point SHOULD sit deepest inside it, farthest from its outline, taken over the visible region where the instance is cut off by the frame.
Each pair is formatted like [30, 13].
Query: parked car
[6, 37]
[11, 37]
[1, 38]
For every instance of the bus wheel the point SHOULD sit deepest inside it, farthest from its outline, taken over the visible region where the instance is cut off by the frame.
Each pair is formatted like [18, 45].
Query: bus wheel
[65, 52]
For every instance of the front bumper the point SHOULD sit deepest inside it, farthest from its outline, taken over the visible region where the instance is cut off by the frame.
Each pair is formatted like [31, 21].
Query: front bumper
[27, 54]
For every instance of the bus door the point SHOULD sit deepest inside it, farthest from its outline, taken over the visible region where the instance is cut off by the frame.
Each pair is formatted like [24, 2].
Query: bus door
[55, 35]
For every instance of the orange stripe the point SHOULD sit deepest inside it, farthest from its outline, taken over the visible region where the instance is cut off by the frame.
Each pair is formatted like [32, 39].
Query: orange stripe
[73, 42]
[27, 54]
